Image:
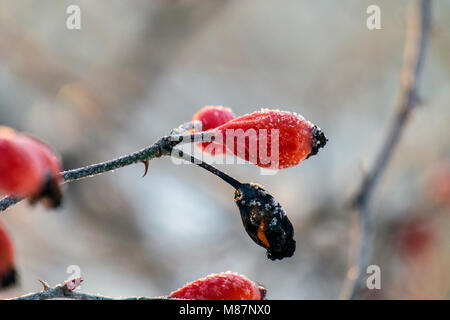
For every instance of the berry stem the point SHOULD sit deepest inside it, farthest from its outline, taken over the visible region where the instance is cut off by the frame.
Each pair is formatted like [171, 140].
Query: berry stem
[205, 136]
[222, 175]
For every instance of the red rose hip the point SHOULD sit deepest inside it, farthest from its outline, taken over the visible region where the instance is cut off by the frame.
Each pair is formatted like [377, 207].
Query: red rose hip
[221, 286]
[211, 117]
[256, 136]
[20, 169]
[50, 190]
[29, 168]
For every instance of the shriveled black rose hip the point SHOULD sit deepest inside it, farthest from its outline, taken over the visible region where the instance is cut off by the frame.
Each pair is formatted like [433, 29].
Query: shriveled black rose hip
[265, 221]
[263, 217]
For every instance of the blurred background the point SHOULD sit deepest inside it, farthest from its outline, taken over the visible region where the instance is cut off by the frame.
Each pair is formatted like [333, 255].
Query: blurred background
[136, 69]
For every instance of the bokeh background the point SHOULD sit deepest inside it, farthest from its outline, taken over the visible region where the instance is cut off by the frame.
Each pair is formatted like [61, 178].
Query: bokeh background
[137, 69]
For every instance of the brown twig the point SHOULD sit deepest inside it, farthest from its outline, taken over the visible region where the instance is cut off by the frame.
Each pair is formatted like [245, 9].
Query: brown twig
[418, 30]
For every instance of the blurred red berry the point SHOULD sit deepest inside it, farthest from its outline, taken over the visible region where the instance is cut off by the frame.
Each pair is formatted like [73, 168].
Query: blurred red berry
[29, 168]
[221, 286]
[50, 191]
[211, 117]
[20, 169]
[49, 160]
[416, 237]
[438, 183]
[7, 271]
[250, 137]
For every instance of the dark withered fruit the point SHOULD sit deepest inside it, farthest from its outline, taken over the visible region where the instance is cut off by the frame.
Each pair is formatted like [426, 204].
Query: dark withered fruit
[265, 221]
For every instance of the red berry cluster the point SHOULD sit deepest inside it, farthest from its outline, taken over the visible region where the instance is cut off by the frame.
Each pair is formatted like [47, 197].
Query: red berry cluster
[416, 238]
[298, 139]
[29, 168]
[221, 286]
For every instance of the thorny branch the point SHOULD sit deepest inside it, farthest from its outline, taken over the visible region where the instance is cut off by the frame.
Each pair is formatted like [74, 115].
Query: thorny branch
[162, 147]
[417, 33]
[67, 291]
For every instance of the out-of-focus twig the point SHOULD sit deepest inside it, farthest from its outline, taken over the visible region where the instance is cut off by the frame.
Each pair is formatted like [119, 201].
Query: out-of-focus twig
[418, 30]
[66, 291]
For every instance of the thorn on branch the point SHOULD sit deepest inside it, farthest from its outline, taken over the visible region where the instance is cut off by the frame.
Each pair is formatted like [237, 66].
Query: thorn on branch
[44, 285]
[146, 164]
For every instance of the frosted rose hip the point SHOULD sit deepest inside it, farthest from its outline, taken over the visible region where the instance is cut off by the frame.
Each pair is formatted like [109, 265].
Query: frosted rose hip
[298, 138]
[211, 117]
[221, 286]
